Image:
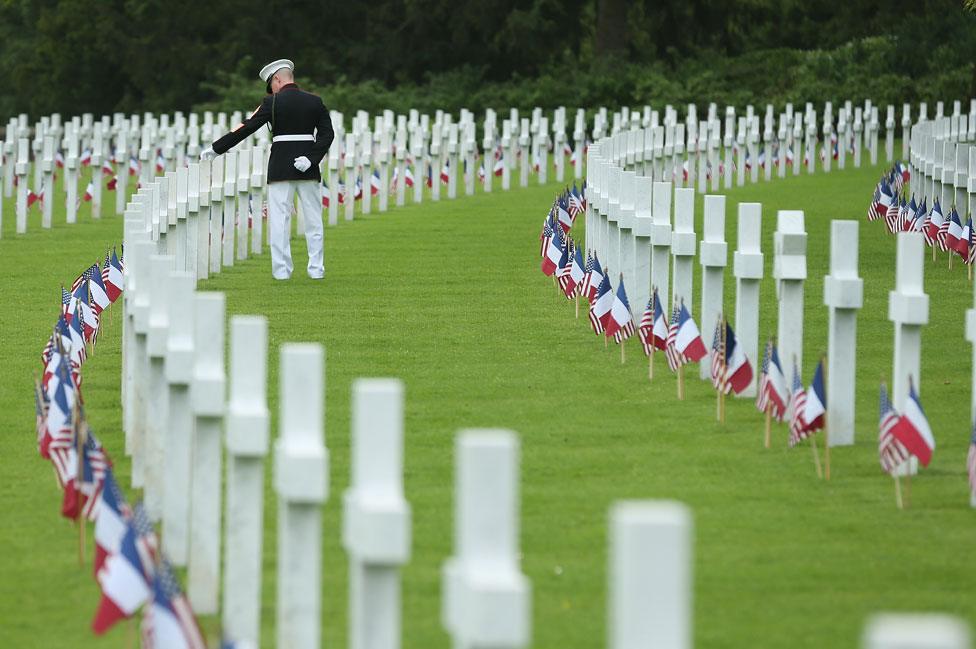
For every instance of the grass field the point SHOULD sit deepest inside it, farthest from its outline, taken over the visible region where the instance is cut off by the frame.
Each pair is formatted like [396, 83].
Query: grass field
[449, 298]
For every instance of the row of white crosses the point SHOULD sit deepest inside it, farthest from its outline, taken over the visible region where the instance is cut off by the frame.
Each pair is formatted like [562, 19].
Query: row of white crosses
[199, 411]
[185, 409]
[164, 143]
[688, 152]
[664, 148]
[943, 159]
[629, 226]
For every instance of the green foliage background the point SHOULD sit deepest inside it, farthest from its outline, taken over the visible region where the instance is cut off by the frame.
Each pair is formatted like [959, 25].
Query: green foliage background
[136, 55]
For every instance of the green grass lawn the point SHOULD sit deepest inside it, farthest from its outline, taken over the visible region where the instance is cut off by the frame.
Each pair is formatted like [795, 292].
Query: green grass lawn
[449, 298]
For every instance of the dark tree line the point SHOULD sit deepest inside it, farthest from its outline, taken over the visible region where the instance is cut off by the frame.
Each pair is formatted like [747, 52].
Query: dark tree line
[100, 56]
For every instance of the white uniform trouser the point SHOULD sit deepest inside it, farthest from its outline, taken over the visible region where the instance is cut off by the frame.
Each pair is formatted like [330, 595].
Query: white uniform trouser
[280, 196]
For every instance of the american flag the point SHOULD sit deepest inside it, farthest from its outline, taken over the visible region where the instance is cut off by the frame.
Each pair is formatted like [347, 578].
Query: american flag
[926, 217]
[798, 428]
[718, 356]
[971, 462]
[546, 235]
[675, 358]
[40, 410]
[891, 452]
[646, 329]
[82, 496]
[601, 290]
[168, 622]
[84, 277]
[146, 540]
[575, 203]
[762, 399]
[592, 279]
[893, 214]
[943, 233]
[65, 301]
[875, 202]
[565, 268]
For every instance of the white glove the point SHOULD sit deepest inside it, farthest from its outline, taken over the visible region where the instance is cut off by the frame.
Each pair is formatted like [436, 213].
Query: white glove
[207, 154]
[302, 163]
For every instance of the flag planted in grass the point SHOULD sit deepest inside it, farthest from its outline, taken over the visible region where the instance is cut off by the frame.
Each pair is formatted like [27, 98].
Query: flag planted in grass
[891, 452]
[620, 324]
[913, 430]
[774, 391]
[737, 370]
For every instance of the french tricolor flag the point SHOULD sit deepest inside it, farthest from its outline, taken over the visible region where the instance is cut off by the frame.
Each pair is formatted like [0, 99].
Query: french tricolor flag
[112, 522]
[446, 172]
[602, 308]
[816, 406]
[660, 327]
[124, 581]
[89, 192]
[374, 183]
[777, 389]
[112, 277]
[738, 371]
[86, 157]
[169, 622]
[107, 168]
[688, 339]
[620, 324]
[553, 251]
[913, 430]
[955, 230]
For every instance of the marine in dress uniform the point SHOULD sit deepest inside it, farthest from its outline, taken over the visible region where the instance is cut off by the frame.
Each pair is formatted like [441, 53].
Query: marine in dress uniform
[301, 135]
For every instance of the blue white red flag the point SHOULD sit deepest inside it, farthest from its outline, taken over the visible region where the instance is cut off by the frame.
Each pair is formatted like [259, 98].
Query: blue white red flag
[738, 369]
[815, 409]
[913, 430]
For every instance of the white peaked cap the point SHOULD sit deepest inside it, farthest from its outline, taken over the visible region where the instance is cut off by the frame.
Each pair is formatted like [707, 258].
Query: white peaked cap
[268, 71]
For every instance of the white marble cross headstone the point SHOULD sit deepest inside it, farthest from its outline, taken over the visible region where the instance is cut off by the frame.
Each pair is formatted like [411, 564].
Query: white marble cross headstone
[843, 295]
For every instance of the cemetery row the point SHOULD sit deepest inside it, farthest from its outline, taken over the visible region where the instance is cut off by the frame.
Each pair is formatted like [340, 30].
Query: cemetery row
[189, 412]
[400, 154]
[939, 204]
[629, 229]
[178, 422]
[187, 409]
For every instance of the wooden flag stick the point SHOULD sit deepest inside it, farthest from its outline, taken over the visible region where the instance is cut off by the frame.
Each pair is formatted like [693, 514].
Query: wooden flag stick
[577, 304]
[650, 366]
[816, 456]
[933, 252]
[969, 272]
[769, 422]
[950, 260]
[898, 500]
[721, 385]
[681, 382]
[908, 486]
[623, 356]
